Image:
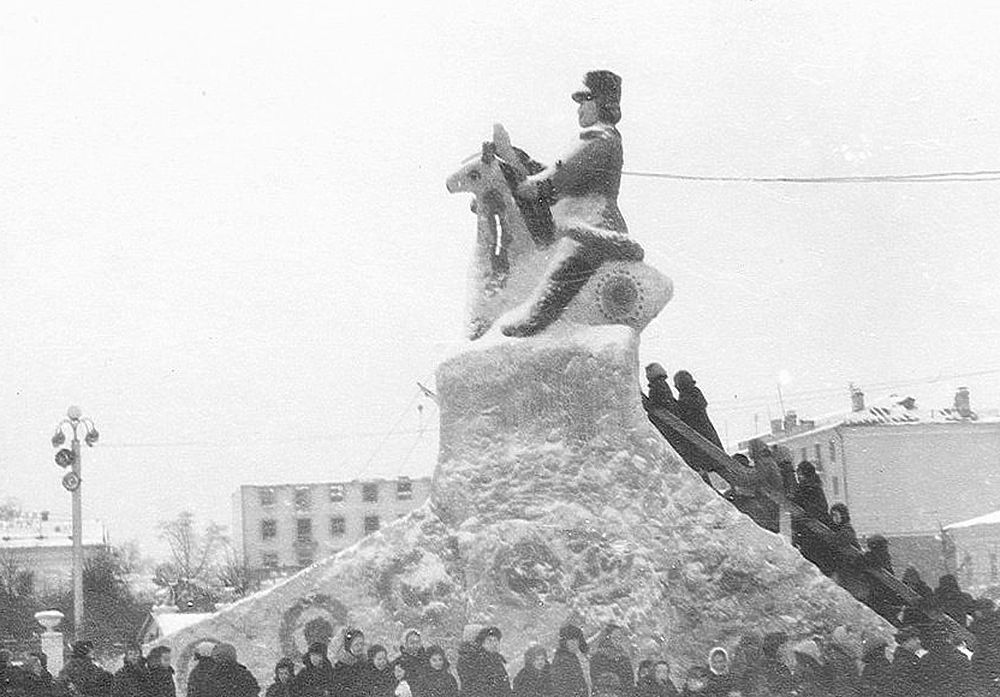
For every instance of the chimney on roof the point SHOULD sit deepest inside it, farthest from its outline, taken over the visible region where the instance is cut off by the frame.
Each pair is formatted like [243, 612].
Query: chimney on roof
[963, 405]
[857, 399]
[791, 421]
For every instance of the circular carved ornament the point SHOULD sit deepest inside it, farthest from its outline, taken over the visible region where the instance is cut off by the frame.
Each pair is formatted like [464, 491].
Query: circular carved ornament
[620, 296]
[311, 619]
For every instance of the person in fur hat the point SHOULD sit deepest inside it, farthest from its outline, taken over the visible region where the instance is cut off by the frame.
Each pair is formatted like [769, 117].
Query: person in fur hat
[132, 678]
[570, 667]
[534, 679]
[350, 672]
[82, 675]
[481, 669]
[230, 678]
[316, 678]
[437, 680]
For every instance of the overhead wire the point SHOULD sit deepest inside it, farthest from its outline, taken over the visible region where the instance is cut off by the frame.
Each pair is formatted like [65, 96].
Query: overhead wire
[985, 175]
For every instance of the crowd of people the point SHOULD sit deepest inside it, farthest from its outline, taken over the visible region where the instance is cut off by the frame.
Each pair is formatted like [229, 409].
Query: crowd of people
[926, 662]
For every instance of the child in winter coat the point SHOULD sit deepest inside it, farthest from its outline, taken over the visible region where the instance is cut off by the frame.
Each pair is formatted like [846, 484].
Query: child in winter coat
[402, 686]
[534, 679]
[381, 681]
[284, 674]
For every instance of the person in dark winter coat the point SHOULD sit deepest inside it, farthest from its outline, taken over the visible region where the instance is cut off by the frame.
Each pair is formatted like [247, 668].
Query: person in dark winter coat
[132, 679]
[35, 680]
[952, 601]
[808, 495]
[350, 672]
[610, 655]
[413, 656]
[161, 673]
[81, 674]
[916, 614]
[692, 407]
[230, 677]
[840, 524]
[660, 394]
[534, 679]
[381, 682]
[437, 680]
[402, 688]
[881, 599]
[284, 678]
[569, 677]
[945, 671]
[481, 668]
[316, 678]
[876, 671]
[985, 627]
[906, 672]
[659, 683]
[199, 683]
[608, 685]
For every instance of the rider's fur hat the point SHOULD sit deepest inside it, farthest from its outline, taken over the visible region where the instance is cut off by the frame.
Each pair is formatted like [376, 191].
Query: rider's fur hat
[603, 86]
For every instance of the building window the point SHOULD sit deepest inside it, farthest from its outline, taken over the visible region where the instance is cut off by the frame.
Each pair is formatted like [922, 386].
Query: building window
[269, 560]
[267, 496]
[369, 493]
[404, 489]
[836, 485]
[304, 557]
[803, 454]
[303, 498]
[336, 493]
[268, 529]
[304, 529]
[833, 452]
[338, 526]
[819, 456]
[371, 523]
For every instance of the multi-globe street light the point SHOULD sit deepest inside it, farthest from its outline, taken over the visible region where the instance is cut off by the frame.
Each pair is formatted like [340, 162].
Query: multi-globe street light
[76, 423]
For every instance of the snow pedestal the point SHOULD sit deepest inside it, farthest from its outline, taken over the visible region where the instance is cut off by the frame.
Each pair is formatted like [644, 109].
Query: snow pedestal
[554, 500]
[52, 641]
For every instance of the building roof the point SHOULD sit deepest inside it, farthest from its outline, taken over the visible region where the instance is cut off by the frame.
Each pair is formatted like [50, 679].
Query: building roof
[988, 519]
[170, 622]
[892, 410]
[32, 531]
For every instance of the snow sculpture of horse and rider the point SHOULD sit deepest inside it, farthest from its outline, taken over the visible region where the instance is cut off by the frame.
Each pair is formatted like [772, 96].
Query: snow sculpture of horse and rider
[552, 246]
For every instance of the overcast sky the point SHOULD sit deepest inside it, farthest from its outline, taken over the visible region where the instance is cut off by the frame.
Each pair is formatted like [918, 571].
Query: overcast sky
[224, 231]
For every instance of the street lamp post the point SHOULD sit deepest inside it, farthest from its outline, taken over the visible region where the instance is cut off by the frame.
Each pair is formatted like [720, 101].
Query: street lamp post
[76, 423]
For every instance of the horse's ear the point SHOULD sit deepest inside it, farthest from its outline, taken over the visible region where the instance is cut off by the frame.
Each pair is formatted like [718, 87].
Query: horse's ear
[489, 152]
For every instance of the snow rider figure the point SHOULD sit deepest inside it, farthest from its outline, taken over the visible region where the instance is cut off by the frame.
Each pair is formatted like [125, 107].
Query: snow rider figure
[581, 190]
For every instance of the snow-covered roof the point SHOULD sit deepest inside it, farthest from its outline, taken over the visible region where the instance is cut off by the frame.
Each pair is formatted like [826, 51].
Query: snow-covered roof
[988, 519]
[30, 532]
[171, 622]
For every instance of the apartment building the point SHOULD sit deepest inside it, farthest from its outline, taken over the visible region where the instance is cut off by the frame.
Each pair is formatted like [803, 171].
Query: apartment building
[286, 527]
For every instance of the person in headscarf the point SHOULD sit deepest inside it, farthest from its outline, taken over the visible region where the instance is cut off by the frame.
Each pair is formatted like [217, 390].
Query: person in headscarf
[660, 394]
[570, 668]
[381, 681]
[414, 658]
[692, 407]
[350, 672]
[284, 679]
[808, 495]
[80, 673]
[437, 680]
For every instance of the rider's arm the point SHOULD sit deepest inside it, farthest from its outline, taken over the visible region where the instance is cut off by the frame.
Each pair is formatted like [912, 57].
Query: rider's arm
[594, 165]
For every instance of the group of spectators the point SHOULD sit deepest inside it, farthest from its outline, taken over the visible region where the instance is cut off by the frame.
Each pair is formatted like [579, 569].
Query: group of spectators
[139, 676]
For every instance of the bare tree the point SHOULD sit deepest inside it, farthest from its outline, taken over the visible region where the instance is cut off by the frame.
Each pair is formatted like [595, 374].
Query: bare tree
[194, 554]
[236, 575]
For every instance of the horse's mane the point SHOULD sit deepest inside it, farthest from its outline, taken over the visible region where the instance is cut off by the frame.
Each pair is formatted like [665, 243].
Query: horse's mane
[537, 215]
